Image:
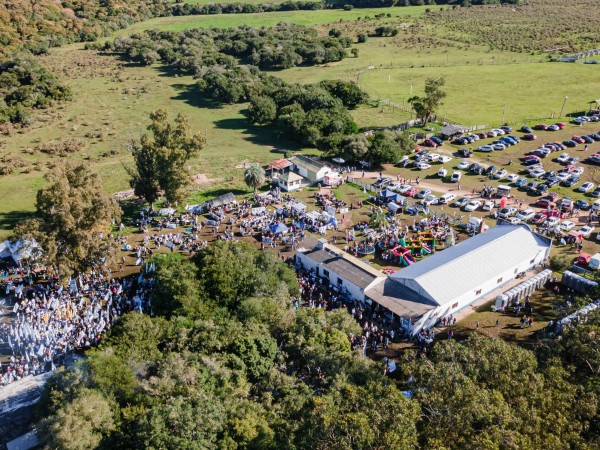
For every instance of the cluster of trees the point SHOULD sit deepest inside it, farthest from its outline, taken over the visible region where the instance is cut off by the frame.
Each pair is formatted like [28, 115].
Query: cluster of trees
[25, 84]
[227, 363]
[189, 9]
[38, 25]
[273, 48]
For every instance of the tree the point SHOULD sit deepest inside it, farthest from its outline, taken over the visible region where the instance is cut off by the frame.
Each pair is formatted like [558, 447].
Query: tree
[378, 219]
[262, 110]
[161, 158]
[73, 219]
[427, 106]
[254, 176]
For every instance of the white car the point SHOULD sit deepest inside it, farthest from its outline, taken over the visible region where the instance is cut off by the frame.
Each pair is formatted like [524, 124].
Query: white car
[430, 200]
[563, 175]
[447, 198]
[433, 157]
[489, 205]
[472, 205]
[512, 177]
[586, 231]
[485, 148]
[499, 131]
[578, 171]
[394, 186]
[536, 173]
[563, 158]
[513, 220]
[463, 165]
[499, 147]
[442, 172]
[456, 176]
[444, 159]
[423, 166]
[586, 187]
[403, 188]
[500, 174]
[525, 215]
[552, 221]
[566, 226]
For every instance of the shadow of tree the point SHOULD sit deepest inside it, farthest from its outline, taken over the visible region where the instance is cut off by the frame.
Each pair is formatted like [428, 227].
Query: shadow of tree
[9, 219]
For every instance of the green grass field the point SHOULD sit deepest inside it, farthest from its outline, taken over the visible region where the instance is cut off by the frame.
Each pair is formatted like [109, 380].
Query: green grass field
[112, 100]
[268, 19]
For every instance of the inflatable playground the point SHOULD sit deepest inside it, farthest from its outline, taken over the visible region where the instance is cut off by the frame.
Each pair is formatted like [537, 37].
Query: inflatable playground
[408, 249]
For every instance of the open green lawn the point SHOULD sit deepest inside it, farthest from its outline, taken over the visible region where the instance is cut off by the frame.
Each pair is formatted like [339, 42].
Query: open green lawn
[268, 19]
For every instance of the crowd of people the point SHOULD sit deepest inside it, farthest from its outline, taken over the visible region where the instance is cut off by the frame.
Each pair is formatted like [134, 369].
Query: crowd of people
[53, 320]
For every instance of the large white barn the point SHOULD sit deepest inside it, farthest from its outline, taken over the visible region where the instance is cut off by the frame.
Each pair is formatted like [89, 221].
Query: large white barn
[447, 281]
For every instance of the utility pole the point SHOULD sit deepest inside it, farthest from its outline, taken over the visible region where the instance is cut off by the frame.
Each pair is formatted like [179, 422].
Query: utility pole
[563, 106]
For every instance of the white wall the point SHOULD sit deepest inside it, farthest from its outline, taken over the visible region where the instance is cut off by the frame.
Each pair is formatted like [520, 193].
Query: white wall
[356, 292]
[429, 319]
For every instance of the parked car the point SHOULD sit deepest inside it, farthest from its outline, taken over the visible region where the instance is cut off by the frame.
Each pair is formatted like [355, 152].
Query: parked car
[520, 182]
[525, 215]
[461, 202]
[447, 198]
[581, 204]
[530, 137]
[499, 147]
[485, 148]
[531, 159]
[586, 231]
[563, 158]
[501, 174]
[382, 182]
[507, 212]
[552, 221]
[526, 129]
[586, 187]
[566, 226]
[571, 181]
[536, 173]
[456, 176]
[538, 218]
[490, 170]
[553, 127]
[542, 189]
[531, 186]
[437, 140]
[540, 126]
[488, 206]
[596, 192]
[570, 143]
[587, 139]
[423, 166]
[578, 139]
[512, 177]
[411, 192]
[403, 188]
[465, 152]
[572, 160]
[429, 200]
[433, 157]
[545, 203]
[463, 165]
[560, 125]
[552, 196]
[442, 172]
[423, 193]
[444, 159]
[472, 205]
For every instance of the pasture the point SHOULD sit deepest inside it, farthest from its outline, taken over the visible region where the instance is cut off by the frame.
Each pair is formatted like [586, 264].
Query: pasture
[112, 100]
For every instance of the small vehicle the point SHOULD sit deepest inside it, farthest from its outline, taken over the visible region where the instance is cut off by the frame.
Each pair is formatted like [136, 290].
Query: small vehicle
[545, 203]
[485, 148]
[456, 176]
[423, 166]
[423, 193]
[444, 159]
[472, 205]
[463, 165]
[538, 218]
[520, 182]
[563, 158]
[586, 187]
[447, 198]
[507, 211]
[566, 226]
[500, 174]
[540, 126]
[586, 231]
[488, 206]
[512, 177]
[460, 202]
[581, 204]
[382, 182]
[442, 172]
[525, 215]
[430, 200]
[526, 129]
[530, 137]
[465, 152]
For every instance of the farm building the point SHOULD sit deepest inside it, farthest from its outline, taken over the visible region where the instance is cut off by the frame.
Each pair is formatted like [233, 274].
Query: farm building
[452, 131]
[288, 181]
[310, 169]
[342, 270]
[445, 282]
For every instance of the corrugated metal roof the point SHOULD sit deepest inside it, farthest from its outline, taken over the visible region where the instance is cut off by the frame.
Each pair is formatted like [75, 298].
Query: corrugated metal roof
[307, 163]
[457, 270]
[344, 264]
[279, 164]
[400, 300]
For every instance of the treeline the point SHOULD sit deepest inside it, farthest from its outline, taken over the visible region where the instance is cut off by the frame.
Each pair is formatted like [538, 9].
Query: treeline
[38, 25]
[228, 63]
[226, 362]
[24, 85]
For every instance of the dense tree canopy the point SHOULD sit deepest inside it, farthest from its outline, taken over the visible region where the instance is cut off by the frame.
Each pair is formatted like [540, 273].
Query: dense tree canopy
[227, 363]
[74, 216]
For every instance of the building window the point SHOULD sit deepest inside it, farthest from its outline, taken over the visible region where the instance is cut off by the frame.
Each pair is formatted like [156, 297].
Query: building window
[499, 280]
[478, 292]
[326, 273]
[340, 281]
[455, 305]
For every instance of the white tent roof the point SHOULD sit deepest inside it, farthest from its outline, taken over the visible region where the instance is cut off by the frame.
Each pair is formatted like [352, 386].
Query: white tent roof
[457, 270]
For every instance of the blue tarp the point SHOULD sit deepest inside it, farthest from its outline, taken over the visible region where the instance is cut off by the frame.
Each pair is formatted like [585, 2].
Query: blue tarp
[278, 228]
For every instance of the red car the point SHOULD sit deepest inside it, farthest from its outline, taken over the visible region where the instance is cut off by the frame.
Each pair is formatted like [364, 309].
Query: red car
[530, 137]
[418, 149]
[560, 125]
[545, 203]
[578, 139]
[429, 143]
[583, 259]
[411, 192]
[538, 218]
[540, 126]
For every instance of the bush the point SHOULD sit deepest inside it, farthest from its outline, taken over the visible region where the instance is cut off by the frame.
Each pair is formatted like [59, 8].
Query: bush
[361, 38]
[348, 7]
